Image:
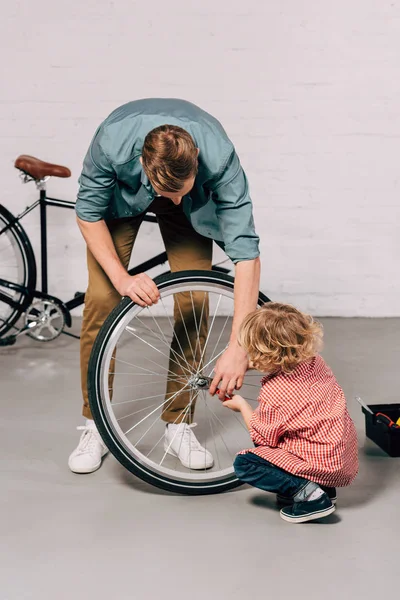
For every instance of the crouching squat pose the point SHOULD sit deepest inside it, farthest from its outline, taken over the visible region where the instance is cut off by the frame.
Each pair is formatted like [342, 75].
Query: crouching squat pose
[305, 441]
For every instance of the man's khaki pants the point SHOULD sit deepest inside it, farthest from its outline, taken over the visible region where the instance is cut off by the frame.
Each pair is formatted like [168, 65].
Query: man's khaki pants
[186, 249]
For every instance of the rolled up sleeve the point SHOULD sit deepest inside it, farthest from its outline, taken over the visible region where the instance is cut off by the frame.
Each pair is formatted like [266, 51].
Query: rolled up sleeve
[266, 426]
[96, 183]
[235, 212]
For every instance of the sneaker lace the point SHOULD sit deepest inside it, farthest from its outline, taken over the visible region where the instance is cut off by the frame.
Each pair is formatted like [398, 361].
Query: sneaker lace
[190, 437]
[88, 441]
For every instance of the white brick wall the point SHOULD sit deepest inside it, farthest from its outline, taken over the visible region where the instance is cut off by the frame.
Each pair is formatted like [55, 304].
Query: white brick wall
[307, 89]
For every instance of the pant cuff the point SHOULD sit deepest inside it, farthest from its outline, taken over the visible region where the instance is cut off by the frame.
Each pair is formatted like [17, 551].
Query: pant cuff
[86, 412]
[172, 418]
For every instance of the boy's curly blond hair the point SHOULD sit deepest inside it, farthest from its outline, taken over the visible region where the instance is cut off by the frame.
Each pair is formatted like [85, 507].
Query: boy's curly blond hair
[277, 337]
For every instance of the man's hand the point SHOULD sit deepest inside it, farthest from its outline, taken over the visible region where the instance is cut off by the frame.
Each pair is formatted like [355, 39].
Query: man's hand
[229, 371]
[140, 288]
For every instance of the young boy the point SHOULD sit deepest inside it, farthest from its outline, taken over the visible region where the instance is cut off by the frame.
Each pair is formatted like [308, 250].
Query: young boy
[305, 441]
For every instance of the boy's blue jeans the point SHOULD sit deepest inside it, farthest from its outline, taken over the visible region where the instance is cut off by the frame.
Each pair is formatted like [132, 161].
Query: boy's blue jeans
[251, 468]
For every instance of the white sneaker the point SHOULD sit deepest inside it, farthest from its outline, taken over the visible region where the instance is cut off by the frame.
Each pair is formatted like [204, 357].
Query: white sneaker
[86, 458]
[181, 442]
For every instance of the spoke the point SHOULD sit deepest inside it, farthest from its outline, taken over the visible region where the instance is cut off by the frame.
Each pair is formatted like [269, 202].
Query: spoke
[132, 385]
[167, 370]
[136, 399]
[237, 418]
[55, 316]
[152, 425]
[252, 400]
[163, 435]
[52, 330]
[198, 343]
[144, 369]
[153, 333]
[219, 433]
[136, 412]
[212, 431]
[173, 331]
[212, 360]
[185, 412]
[218, 419]
[187, 335]
[220, 335]
[155, 410]
[169, 344]
[192, 399]
[39, 330]
[243, 426]
[139, 367]
[145, 375]
[209, 332]
[131, 331]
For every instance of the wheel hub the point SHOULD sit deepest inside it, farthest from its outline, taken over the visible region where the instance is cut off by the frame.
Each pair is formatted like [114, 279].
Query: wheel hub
[199, 382]
[46, 320]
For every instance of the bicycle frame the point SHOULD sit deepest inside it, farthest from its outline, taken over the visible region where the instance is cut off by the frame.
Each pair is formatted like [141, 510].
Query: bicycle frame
[29, 294]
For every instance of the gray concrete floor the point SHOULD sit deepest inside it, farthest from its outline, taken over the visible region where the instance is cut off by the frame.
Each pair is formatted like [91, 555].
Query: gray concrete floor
[108, 535]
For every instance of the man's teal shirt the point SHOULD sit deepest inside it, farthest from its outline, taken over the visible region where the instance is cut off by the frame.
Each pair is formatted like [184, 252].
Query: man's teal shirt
[113, 184]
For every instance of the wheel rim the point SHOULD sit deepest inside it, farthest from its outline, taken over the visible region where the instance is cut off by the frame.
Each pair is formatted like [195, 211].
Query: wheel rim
[49, 320]
[13, 269]
[142, 368]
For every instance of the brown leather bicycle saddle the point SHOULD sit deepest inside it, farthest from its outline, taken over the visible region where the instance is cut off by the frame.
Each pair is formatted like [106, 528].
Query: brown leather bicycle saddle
[38, 169]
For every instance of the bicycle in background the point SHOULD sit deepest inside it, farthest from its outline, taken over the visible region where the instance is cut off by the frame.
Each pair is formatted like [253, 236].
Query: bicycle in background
[45, 316]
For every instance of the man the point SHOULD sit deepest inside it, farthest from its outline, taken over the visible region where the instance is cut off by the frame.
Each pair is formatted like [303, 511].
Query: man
[172, 158]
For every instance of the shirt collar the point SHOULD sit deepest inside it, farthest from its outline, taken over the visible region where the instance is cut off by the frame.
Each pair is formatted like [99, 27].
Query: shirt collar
[301, 368]
[145, 180]
[269, 376]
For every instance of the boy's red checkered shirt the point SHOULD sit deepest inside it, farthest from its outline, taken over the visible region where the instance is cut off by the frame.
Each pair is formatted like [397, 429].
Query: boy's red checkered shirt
[302, 425]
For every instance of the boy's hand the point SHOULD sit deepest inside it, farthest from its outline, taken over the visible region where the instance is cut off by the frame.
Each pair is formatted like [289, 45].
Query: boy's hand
[236, 403]
[239, 404]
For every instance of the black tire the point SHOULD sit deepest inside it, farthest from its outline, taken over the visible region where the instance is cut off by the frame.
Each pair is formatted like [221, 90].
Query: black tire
[106, 429]
[27, 278]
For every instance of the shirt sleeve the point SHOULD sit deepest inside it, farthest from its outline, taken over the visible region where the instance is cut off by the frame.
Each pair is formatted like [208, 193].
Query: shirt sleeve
[235, 212]
[96, 183]
[266, 425]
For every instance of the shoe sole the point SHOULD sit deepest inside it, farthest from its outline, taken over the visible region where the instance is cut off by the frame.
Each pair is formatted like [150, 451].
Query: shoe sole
[92, 470]
[289, 502]
[310, 517]
[170, 451]
[86, 471]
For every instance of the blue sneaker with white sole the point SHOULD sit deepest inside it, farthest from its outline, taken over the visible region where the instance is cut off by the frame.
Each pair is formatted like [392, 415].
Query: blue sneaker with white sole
[309, 510]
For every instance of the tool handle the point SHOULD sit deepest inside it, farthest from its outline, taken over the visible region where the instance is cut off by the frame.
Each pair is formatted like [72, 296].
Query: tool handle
[226, 397]
[360, 401]
[381, 418]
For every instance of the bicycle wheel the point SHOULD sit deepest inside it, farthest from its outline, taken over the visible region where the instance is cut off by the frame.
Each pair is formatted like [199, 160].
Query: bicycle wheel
[132, 364]
[17, 266]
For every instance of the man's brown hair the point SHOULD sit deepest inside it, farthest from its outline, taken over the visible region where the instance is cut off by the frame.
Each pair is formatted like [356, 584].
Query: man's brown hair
[169, 157]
